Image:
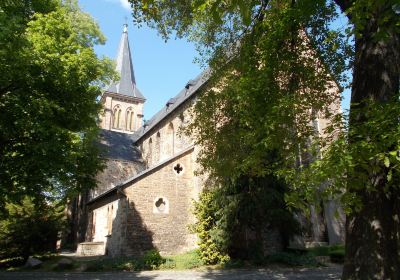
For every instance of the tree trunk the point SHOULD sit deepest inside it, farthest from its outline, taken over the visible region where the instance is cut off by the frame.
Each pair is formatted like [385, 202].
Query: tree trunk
[372, 234]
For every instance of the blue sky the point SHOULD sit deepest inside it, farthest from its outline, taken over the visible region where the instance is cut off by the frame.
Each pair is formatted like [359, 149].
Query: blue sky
[161, 68]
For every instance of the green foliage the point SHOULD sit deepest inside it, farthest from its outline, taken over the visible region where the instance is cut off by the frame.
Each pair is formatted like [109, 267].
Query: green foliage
[211, 248]
[225, 215]
[114, 264]
[356, 166]
[152, 259]
[273, 65]
[335, 252]
[337, 256]
[11, 263]
[29, 228]
[48, 90]
[324, 250]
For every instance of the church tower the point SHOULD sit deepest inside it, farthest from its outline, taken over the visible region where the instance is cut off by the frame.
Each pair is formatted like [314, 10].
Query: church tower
[122, 101]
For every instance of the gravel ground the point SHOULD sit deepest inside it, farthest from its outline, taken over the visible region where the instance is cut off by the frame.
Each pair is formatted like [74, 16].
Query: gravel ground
[235, 274]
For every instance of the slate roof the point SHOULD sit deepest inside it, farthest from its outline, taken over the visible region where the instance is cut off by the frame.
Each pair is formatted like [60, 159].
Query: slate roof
[188, 91]
[127, 83]
[119, 146]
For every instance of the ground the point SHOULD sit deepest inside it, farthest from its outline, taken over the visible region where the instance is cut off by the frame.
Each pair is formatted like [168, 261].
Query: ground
[333, 272]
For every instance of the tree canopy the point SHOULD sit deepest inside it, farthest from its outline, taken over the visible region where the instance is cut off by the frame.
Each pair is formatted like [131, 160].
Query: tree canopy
[275, 65]
[51, 78]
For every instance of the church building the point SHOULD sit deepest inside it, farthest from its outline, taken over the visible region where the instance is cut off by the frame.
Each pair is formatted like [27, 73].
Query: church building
[144, 195]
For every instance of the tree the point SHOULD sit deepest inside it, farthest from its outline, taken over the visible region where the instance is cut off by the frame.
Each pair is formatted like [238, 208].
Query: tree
[273, 62]
[51, 78]
[27, 228]
[232, 218]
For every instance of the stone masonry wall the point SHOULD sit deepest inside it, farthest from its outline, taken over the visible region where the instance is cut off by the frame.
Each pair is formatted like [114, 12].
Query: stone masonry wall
[158, 145]
[141, 221]
[110, 102]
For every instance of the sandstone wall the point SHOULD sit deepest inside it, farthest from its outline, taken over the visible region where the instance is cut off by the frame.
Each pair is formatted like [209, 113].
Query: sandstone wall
[153, 211]
[110, 103]
[166, 138]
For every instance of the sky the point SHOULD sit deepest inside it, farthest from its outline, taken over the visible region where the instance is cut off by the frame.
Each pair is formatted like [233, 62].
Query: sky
[161, 68]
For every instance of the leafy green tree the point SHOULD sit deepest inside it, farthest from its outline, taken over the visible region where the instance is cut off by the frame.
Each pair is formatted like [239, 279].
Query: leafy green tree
[51, 78]
[27, 228]
[232, 219]
[274, 62]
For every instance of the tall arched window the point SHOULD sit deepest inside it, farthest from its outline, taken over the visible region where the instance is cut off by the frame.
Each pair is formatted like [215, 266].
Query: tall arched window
[169, 140]
[150, 153]
[157, 149]
[110, 213]
[129, 120]
[132, 123]
[117, 117]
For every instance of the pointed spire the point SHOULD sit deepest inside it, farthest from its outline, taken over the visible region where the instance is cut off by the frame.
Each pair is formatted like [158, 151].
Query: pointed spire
[127, 83]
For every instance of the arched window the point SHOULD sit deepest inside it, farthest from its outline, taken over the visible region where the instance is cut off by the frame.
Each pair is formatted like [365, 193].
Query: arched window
[132, 123]
[129, 120]
[169, 141]
[117, 117]
[157, 149]
[150, 152]
[110, 213]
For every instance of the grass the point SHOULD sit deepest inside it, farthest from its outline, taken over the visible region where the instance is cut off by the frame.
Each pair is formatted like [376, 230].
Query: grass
[188, 260]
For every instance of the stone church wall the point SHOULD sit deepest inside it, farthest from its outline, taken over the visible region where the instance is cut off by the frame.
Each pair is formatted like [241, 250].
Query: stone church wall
[153, 211]
[111, 102]
[166, 138]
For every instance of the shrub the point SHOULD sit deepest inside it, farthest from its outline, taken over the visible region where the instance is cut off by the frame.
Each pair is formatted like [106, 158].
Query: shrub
[152, 259]
[211, 248]
[115, 264]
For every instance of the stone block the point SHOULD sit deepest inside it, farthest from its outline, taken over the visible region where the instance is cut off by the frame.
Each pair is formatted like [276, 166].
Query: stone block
[91, 249]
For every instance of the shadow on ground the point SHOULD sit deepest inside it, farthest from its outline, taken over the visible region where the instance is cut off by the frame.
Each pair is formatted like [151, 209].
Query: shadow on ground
[327, 273]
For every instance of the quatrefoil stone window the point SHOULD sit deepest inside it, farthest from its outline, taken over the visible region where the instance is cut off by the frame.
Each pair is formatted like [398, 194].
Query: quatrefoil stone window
[178, 168]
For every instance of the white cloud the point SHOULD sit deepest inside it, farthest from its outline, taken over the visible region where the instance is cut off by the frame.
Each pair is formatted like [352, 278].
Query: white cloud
[124, 3]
